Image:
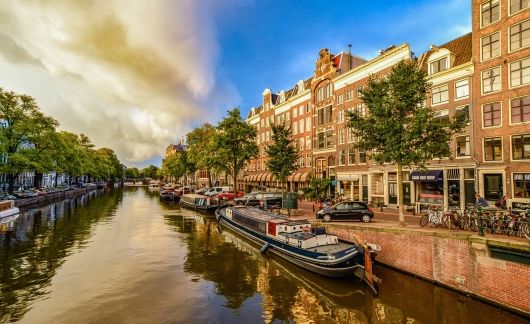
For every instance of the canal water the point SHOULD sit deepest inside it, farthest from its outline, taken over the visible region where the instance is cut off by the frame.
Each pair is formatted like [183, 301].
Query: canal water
[122, 256]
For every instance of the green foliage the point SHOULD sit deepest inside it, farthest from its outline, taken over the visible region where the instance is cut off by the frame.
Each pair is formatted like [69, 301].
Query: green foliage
[282, 153]
[398, 127]
[132, 173]
[234, 143]
[150, 172]
[177, 165]
[317, 189]
[200, 149]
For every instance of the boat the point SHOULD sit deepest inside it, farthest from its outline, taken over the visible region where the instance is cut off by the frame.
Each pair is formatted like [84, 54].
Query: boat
[153, 186]
[169, 195]
[296, 241]
[7, 208]
[200, 202]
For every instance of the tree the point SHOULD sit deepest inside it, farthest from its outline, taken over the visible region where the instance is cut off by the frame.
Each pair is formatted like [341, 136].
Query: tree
[26, 134]
[234, 143]
[317, 188]
[282, 153]
[150, 172]
[200, 149]
[111, 168]
[398, 128]
[132, 173]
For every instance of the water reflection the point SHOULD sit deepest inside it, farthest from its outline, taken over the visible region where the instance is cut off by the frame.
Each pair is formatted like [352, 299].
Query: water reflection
[33, 246]
[288, 293]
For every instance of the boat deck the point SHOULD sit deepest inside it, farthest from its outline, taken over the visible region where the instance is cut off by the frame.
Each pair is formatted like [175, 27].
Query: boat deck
[331, 248]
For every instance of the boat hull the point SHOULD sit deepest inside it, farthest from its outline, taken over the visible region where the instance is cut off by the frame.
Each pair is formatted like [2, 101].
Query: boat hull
[330, 268]
[9, 212]
[206, 209]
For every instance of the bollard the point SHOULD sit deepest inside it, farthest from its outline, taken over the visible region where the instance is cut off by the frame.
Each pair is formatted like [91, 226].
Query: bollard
[480, 228]
[313, 208]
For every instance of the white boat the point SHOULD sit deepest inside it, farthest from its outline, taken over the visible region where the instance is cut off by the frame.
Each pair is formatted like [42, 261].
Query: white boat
[153, 186]
[7, 208]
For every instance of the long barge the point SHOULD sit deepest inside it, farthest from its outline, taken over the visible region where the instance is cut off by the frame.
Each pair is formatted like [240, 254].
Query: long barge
[199, 202]
[297, 242]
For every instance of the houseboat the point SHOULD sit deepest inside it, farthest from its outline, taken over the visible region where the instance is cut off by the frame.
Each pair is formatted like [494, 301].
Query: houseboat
[297, 242]
[154, 186]
[7, 208]
[199, 202]
[171, 195]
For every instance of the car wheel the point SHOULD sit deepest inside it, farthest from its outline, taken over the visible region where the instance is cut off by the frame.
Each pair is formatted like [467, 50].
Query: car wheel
[326, 218]
[366, 218]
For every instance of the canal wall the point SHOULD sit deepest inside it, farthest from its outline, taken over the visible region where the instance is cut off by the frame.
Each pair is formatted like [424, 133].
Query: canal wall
[51, 197]
[492, 268]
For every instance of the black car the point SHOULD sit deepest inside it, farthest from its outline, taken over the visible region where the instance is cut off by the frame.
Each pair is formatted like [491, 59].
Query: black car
[346, 210]
[262, 200]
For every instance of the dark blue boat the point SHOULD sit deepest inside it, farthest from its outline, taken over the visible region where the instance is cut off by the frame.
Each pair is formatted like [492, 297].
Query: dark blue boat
[300, 244]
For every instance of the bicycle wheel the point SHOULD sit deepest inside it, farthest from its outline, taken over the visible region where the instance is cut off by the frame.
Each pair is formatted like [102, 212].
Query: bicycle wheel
[424, 220]
[525, 230]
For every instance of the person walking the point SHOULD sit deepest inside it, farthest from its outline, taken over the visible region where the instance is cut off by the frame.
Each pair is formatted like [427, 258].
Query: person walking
[480, 201]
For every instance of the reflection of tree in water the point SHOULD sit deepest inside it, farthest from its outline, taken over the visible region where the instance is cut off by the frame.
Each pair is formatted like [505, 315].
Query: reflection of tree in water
[36, 248]
[233, 271]
[284, 296]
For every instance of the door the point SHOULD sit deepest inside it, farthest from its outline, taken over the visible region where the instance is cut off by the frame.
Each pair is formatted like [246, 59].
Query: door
[406, 193]
[493, 187]
[341, 211]
[356, 210]
[392, 193]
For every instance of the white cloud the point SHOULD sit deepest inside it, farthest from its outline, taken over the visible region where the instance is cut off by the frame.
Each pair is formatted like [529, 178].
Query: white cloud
[132, 75]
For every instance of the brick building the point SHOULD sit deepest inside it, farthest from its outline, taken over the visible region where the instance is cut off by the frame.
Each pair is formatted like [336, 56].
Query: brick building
[484, 74]
[501, 54]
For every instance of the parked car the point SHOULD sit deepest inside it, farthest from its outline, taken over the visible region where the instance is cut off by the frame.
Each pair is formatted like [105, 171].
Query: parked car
[262, 200]
[216, 190]
[202, 191]
[347, 210]
[230, 195]
[6, 196]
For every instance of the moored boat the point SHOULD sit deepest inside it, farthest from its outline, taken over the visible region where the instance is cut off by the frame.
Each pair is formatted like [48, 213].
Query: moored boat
[169, 195]
[297, 242]
[7, 208]
[199, 202]
[154, 186]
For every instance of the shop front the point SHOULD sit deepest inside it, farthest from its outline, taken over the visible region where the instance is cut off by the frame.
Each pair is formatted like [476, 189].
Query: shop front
[429, 188]
[521, 192]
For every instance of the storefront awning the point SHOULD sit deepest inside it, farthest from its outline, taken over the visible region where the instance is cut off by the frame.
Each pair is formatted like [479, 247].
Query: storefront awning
[427, 176]
[268, 176]
[347, 176]
[291, 177]
[303, 177]
[262, 177]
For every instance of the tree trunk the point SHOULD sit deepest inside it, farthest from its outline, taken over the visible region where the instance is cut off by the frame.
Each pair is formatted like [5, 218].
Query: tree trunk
[209, 178]
[400, 195]
[10, 182]
[235, 176]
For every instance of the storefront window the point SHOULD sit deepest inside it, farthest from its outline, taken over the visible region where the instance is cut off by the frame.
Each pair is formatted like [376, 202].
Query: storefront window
[521, 185]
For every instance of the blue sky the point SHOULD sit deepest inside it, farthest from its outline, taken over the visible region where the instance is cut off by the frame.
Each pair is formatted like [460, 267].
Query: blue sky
[273, 44]
[136, 76]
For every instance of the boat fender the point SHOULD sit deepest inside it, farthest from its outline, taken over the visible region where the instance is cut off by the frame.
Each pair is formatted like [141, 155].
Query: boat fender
[264, 248]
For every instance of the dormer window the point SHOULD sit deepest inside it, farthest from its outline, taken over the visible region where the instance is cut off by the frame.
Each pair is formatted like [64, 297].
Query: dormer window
[439, 65]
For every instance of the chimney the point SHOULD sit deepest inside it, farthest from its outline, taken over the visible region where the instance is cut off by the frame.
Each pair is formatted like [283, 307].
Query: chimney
[349, 55]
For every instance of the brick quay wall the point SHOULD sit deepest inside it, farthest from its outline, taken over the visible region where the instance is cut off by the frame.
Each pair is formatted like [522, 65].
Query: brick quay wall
[459, 260]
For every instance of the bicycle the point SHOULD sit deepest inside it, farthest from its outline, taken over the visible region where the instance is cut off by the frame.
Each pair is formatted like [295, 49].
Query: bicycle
[434, 217]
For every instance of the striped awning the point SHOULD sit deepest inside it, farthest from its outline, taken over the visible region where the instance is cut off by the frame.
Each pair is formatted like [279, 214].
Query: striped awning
[268, 176]
[303, 177]
[291, 177]
[262, 177]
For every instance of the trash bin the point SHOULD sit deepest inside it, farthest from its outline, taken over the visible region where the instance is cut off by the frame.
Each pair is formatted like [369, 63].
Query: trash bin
[290, 200]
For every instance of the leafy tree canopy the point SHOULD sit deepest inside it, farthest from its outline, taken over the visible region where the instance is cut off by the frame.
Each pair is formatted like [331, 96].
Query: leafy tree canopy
[282, 153]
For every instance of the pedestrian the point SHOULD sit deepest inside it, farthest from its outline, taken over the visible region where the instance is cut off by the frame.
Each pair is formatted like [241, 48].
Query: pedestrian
[480, 201]
[501, 203]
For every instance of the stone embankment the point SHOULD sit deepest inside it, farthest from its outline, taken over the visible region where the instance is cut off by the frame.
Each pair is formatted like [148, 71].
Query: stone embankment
[51, 197]
[493, 268]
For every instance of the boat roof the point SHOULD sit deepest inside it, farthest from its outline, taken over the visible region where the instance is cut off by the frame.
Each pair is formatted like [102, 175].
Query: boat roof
[268, 216]
[195, 196]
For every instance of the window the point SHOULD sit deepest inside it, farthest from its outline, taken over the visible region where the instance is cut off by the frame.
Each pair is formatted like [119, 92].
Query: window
[307, 107]
[340, 99]
[520, 109]
[440, 94]
[361, 109]
[309, 160]
[490, 12]
[520, 35]
[521, 183]
[521, 147]
[320, 143]
[308, 123]
[302, 162]
[295, 113]
[329, 138]
[362, 157]
[328, 90]
[439, 65]
[320, 115]
[295, 128]
[491, 46]
[300, 110]
[320, 94]
[340, 116]
[342, 157]
[302, 144]
[349, 95]
[308, 142]
[359, 91]
[491, 114]
[341, 135]
[262, 123]
[442, 115]
[462, 146]
[287, 116]
[493, 149]
[462, 89]
[301, 125]
[351, 136]
[518, 5]
[351, 155]
[520, 72]
[491, 80]
[463, 111]
[329, 114]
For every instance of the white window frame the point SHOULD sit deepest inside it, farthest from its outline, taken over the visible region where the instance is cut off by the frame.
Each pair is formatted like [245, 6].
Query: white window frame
[468, 148]
[456, 87]
[447, 63]
[484, 150]
[518, 11]
[492, 22]
[482, 115]
[482, 59]
[510, 73]
[482, 80]
[510, 50]
[439, 93]
[510, 111]
[511, 148]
